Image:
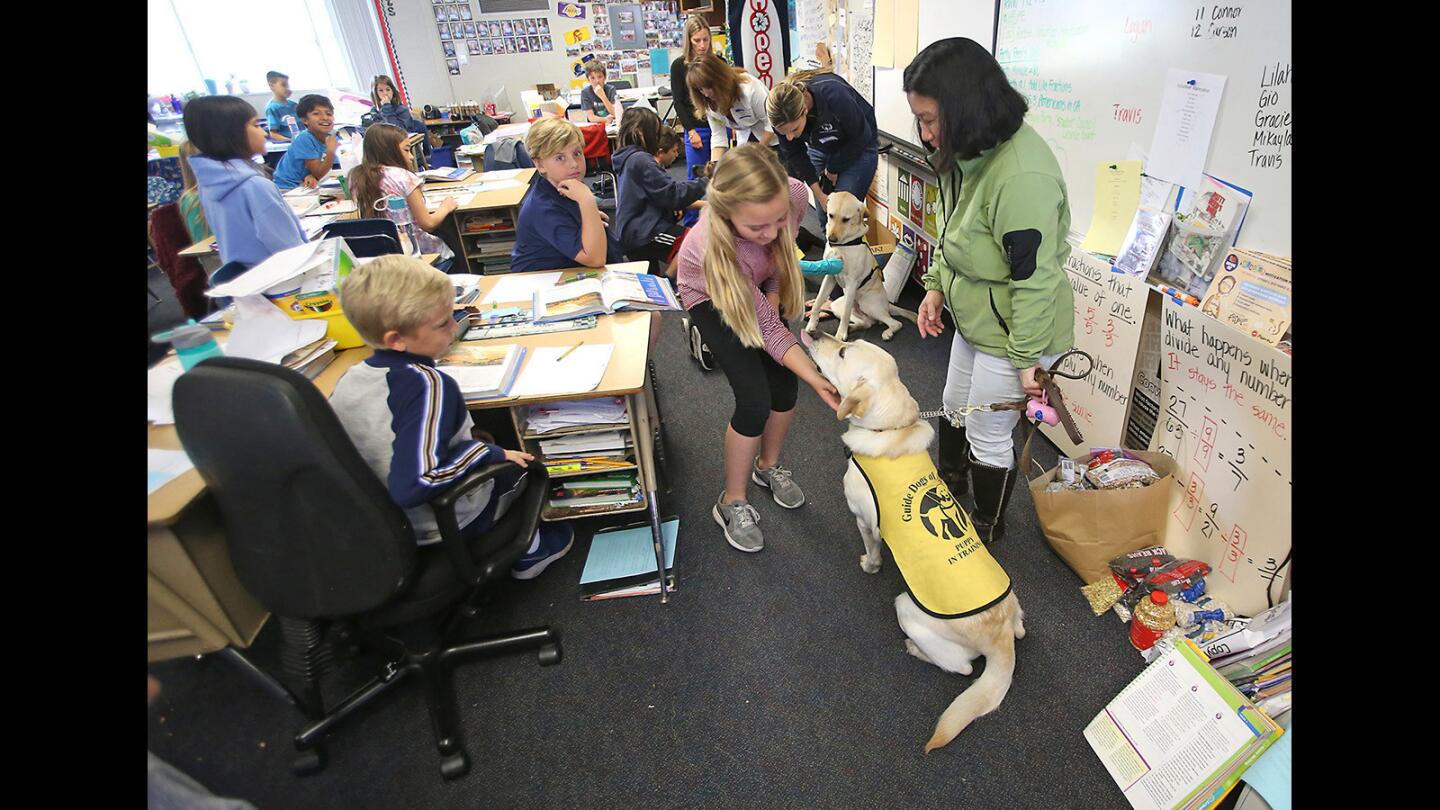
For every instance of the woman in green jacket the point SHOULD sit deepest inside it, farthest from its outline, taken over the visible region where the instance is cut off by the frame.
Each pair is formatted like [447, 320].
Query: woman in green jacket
[999, 268]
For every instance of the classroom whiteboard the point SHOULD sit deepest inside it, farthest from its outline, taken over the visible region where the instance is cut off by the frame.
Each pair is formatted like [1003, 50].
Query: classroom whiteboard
[937, 19]
[1093, 70]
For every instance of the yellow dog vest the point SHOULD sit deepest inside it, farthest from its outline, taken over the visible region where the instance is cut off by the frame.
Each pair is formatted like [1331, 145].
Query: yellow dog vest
[947, 570]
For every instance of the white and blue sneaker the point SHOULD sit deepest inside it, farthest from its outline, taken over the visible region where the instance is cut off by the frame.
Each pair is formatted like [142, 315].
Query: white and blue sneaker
[555, 541]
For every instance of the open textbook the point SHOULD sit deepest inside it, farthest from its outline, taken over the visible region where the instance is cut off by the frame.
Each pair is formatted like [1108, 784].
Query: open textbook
[1180, 735]
[613, 291]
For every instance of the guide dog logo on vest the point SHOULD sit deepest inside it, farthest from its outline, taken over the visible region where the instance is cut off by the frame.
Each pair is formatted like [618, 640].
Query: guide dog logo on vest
[941, 516]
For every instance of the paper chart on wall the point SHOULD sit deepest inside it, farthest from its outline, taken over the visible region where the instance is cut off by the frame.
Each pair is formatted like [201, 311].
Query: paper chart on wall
[1226, 418]
[1109, 312]
[1187, 120]
[862, 39]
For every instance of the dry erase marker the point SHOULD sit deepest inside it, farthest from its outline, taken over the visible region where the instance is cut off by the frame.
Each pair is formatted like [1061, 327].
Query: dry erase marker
[566, 353]
[1179, 297]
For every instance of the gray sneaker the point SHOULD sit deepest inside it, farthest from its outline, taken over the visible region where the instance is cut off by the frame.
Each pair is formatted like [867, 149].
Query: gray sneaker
[782, 487]
[738, 519]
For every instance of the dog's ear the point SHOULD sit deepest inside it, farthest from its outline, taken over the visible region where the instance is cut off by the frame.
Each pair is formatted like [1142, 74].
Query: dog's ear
[856, 402]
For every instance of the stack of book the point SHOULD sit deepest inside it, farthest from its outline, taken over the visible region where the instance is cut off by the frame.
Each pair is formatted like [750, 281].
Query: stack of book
[553, 416]
[606, 490]
[1256, 659]
[483, 371]
[312, 358]
[622, 562]
[610, 444]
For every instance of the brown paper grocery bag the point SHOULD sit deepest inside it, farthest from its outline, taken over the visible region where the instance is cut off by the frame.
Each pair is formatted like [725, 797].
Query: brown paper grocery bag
[1088, 528]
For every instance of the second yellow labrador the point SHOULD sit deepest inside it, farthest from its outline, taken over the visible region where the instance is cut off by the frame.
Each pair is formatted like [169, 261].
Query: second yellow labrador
[958, 603]
[864, 301]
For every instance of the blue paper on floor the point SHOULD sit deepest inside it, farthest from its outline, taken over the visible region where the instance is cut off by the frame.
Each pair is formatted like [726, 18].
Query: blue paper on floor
[620, 553]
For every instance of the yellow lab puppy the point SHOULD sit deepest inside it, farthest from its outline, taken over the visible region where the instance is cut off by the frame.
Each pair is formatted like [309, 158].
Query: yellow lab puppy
[864, 301]
[958, 603]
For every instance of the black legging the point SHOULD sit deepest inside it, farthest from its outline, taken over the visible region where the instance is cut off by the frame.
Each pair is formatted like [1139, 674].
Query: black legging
[760, 384]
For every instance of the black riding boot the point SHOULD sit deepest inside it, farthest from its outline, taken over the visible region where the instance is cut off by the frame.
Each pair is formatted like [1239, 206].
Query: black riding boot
[993, 486]
[954, 458]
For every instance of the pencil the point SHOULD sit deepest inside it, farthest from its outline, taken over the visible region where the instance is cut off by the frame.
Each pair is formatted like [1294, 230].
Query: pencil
[566, 353]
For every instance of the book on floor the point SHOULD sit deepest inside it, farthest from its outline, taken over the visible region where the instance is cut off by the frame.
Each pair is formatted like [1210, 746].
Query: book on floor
[621, 561]
[1180, 735]
[613, 291]
[483, 371]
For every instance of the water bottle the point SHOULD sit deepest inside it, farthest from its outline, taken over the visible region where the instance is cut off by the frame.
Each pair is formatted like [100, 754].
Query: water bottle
[1153, 617]
[192, 342]
[399, 212]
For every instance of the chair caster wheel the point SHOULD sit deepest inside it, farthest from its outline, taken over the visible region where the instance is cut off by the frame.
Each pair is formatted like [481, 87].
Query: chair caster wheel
[454, 766]
[549, 655]
[307, 762]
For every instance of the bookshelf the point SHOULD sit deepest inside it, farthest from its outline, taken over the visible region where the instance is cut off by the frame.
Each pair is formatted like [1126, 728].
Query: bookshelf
[637, 464]
[488, 237]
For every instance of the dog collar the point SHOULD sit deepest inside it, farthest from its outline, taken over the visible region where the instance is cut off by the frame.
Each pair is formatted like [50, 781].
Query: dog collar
[853, 242]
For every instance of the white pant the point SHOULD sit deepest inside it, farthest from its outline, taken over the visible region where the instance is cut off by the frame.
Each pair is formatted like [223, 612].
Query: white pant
[977, 378]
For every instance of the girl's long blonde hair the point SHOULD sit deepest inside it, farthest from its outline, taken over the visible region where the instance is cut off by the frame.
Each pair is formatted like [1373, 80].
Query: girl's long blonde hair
[787, 99]
[748, 174]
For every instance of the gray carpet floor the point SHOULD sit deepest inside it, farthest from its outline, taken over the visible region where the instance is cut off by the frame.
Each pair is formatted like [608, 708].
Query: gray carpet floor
[775, 679]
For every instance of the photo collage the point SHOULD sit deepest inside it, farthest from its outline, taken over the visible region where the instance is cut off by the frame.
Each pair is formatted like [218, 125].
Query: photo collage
[459, 30]
[664, 28]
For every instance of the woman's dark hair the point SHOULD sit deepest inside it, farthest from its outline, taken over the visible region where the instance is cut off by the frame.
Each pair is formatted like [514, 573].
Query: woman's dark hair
[640, 127]
[217, 126]
[978, 107]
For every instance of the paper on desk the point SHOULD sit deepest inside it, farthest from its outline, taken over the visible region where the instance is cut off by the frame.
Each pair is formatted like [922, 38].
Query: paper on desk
[1117, 195]
[264, 332]
[159, 382]
[314, 225]
[1187, 119]
[628, 552]
[519, 287]
[498, 184]
[502, 174]
[284, 265]
[546, 375]
[164, 465]
[462, 195]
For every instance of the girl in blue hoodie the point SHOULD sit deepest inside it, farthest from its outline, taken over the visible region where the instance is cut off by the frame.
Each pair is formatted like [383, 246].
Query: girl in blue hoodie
[249, 217]
[649, 196]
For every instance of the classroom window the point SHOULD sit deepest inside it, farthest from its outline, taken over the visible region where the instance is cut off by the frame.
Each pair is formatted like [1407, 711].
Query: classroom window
[194, 40]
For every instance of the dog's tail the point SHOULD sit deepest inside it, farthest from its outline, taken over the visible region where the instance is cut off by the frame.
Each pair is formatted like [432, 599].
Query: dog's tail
[983, 696]
[907, 314]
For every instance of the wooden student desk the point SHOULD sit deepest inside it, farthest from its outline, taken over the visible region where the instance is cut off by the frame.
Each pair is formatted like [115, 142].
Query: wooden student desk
[196, 603]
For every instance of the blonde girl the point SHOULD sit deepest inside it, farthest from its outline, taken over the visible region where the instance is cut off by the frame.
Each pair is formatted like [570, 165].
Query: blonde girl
[388, 170]
[728, 97]
[739, 280]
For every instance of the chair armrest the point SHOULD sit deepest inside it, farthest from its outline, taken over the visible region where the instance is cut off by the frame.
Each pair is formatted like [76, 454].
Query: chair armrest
[444, 506]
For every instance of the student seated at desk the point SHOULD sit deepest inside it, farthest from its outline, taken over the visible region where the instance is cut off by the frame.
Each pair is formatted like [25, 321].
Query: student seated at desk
[560, 225]
[191, 211]
[599, 100]
[250, 219]
[649, 196]
[388, 170]
[389, 110]
[409, 421]
[312, 154]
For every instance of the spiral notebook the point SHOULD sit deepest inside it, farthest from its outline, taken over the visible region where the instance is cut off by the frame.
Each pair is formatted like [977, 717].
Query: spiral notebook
[1180, 735]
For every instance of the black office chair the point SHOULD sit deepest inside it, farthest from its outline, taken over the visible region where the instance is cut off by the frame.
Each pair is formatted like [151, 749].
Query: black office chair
[372, 236]
[315, 538]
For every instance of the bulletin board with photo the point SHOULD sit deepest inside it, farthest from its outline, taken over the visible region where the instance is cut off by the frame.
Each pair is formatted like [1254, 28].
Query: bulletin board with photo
[461, 34]
[663, 25]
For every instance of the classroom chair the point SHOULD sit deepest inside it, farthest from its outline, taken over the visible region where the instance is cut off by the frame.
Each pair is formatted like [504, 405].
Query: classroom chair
[186, 276]
[315, 538]
[520, 155]
[371, 236]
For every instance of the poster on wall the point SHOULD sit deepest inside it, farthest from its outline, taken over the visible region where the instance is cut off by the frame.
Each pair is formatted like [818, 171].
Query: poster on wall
[1109, 309]
[1226, 418]
[573, 11]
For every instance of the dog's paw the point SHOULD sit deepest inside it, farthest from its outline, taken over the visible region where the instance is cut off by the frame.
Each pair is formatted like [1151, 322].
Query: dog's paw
[912, 648]
[887, 334]
[869, 564]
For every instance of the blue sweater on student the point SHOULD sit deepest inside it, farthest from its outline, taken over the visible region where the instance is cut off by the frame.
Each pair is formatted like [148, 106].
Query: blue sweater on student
[249, 217]
[547, 232]
[409, 422]
[649, 196]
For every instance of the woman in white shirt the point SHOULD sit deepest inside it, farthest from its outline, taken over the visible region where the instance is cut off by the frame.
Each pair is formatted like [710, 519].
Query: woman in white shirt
[729, 97]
